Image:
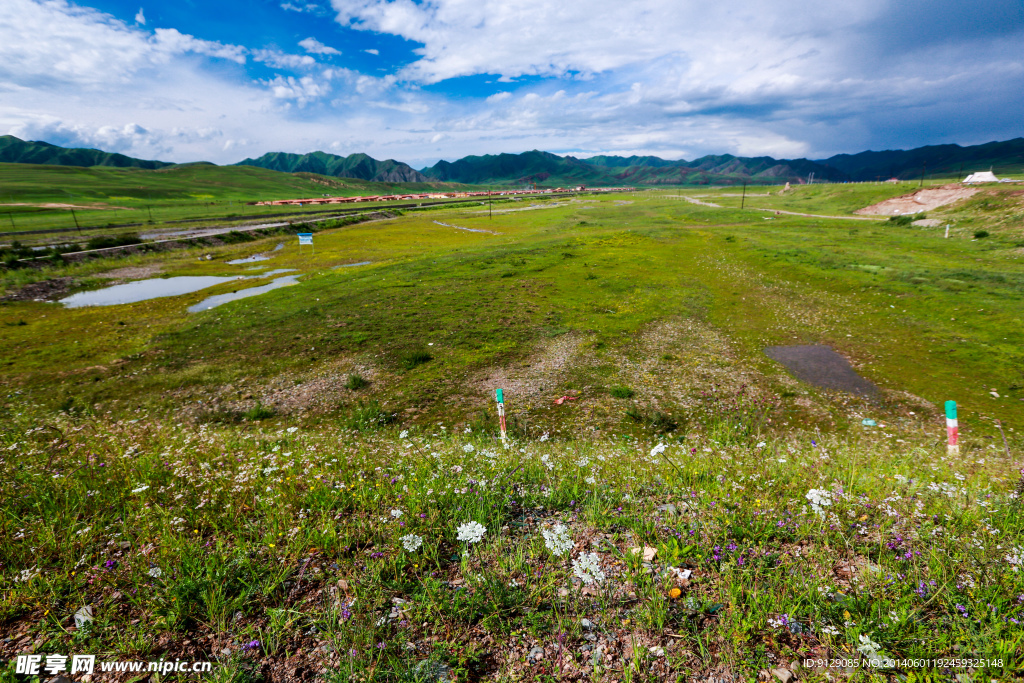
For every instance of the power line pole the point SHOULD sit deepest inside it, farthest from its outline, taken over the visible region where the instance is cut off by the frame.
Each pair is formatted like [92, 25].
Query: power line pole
[924, 165]
[743, 200]
[76, 221]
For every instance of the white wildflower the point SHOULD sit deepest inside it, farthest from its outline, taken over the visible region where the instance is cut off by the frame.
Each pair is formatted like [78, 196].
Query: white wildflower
[140, 489]
[26, 575]
[1016, 558]
[819, 499]
[404, 434]
[471, 532]
[868, 647]
[658, 450]
[588, 568]
[412, 542]
[83, 531]
[557, 539]
[155, 572]
[468, 448]
[591, 480]
[292, 430]
[761, 444]
[396, 513]
[544, 437]
[546, 459]
[829, 630]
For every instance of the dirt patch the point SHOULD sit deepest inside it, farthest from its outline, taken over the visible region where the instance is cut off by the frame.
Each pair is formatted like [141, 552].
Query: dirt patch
[916, 202]
[132, 272]
[98, 207]
[928, 223]
[535, 377]
[46, 290]
[822, 367]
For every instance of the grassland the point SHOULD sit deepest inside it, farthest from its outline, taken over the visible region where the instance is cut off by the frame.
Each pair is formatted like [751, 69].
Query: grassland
[271, 457]
[106, 198]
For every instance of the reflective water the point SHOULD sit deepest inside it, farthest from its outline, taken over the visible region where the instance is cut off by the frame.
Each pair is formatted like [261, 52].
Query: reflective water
[349, 265]
[154, 288]
[141, 290]
[214, 301]
[249, 259]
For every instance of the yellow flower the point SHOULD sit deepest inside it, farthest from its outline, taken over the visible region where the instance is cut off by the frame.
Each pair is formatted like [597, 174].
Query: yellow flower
[271, 545]
[674, 593]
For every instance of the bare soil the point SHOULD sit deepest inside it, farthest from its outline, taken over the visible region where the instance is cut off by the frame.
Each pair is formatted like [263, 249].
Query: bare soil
[922, 200]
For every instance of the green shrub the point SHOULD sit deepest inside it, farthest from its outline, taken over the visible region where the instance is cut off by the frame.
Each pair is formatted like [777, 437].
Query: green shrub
[902, 220]
[980, 234]
[369, 415]
[355, 382]
[107, 241]
[622, 392]
[258, 412]
[414, 358]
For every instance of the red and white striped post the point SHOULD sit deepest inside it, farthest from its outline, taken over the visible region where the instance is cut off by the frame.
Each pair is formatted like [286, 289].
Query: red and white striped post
[952, 429]
[501, 412]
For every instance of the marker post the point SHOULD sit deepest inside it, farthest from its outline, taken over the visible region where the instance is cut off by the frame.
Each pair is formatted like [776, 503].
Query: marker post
[500, 397]
[952, 429]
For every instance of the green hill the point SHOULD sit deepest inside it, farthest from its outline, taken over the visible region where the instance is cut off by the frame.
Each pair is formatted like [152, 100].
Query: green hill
[550, 169]
[1002, 157]
[16, 150]
[359, 166]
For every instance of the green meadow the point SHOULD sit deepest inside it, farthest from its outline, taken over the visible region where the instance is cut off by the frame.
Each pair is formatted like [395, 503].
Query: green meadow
[284, 485]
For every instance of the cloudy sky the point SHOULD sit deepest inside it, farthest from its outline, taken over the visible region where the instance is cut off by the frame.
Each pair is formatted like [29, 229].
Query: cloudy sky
[419, 81]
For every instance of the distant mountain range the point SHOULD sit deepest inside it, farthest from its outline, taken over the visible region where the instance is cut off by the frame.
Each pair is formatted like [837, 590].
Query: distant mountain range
[359, 166]
[16, 151]
[551, 169]
[546, 169]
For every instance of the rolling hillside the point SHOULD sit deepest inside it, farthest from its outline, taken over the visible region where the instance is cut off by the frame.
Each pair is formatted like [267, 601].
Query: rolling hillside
[359, 166]
[18, 151]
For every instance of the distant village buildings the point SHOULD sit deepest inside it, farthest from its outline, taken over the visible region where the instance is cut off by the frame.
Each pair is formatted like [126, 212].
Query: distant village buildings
[432, 195]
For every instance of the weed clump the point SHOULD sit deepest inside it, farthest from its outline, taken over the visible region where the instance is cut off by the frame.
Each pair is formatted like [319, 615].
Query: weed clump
[369, 415]
[355, 382]
[622, 392]
[106, 241]
[415, 358]
[981, 234]
[258, 412]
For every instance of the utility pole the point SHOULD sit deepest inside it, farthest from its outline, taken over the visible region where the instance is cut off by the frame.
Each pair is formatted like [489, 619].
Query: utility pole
[924, 165]
[743, 199]
[150, 209]
[11, 216]
[490, 212]
[76, 221]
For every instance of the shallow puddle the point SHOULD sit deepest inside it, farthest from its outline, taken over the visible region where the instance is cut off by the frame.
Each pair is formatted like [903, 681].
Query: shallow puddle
[214, 301]
[249, 259]
[350, 265]
[822, 367]
[141, 290]
[155, 288]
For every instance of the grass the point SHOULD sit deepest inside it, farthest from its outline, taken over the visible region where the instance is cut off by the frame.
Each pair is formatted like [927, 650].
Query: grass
[138, 424]
[270, 543]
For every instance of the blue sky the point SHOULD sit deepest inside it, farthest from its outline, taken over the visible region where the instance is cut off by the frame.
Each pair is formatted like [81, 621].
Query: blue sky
[420, 81]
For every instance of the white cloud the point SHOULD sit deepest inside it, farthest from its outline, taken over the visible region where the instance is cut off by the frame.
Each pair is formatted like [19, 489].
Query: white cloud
[372, 51]
[309, 8]
[140, 18]
[314, 46]
[282, 60]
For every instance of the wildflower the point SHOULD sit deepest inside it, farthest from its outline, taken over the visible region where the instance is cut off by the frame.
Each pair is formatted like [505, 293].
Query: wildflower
[251, 645]
[155, 572]
[829, 630]
[557, 539]
[468, 448]
[546, 459]
[1016, 558]
[868, 647]
[471, 532]
[544, 437]
[819, 499]
[404, 434]
[292, 430]
[588, 568]
[411, 542]
[140, 489]
[658, 450]
[396, 513]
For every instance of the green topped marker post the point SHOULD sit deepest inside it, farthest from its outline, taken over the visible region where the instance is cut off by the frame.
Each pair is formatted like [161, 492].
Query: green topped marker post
[952, 429]
[500, 397]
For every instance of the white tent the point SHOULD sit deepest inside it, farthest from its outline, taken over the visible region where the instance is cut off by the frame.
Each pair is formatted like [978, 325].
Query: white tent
[982, 177]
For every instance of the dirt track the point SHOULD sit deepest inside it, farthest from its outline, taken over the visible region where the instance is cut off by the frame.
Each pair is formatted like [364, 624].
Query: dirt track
[916, 202]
